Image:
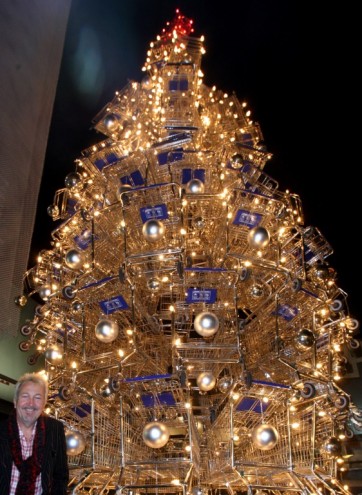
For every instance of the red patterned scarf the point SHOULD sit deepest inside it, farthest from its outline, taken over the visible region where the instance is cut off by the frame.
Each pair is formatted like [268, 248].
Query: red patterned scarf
[29, 468]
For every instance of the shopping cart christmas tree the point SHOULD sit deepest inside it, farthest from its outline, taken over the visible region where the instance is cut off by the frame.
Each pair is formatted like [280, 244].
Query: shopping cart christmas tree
[193, 330]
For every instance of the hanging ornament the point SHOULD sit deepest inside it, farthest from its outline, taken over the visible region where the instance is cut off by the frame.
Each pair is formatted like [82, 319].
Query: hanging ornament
[206, 381]
[156, 435]
[224, 384]
[305, 339]
[153, 230]
[75, 442]
[45, 292]
[111, 122]
[332, 447]
[106, 331]
[258, 237]
[265, 437]
[72, 180]
[197, 490]
[206, 324]
[195, 186]
[73, 259]
[53, 354]
[153, 284]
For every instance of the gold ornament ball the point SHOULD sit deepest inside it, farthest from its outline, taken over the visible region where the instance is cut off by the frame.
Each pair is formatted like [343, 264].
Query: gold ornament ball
[206, 324]
[153, 230]
[258, 237]
[75, 442]
[106, 331]
[156, 435]
[265, 437]
[206, 381]
[53, 354]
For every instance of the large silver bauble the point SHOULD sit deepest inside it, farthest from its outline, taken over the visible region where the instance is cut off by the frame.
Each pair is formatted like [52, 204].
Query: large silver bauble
[111, 122]
[224, 384]
[265, 437]
[305, 339]
[153, 230]
[333, 447]
[195, 186]
[206, 324]
[206, 381]
[196, 490]
[45, 292]
[106, 331]
[155, 435]
[73, 259]
[258, 237]
[72, 180]
[53, 354]
[75, 442]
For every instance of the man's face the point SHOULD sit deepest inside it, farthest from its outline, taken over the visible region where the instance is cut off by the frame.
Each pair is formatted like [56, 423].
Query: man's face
[30, 403]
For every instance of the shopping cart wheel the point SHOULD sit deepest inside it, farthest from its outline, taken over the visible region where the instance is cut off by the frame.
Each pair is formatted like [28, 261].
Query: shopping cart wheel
[308, 391]
[336, 305]
[296, 285]
[25, 330]
[114, 385]
[248, 379]
[122, 275]
[353, 344]
[180, 269]
[64, 393]
[341, 402]
[24, 346]
[244, 273]
[68, 292]
[32, 359]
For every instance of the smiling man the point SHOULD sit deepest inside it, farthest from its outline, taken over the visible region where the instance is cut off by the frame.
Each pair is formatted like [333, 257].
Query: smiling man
[33, 458]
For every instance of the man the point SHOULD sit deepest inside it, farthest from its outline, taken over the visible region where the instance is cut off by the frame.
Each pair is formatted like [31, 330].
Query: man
[33, 456]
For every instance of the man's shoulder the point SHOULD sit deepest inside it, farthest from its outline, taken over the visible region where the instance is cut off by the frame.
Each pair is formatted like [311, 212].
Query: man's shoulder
[52, 422]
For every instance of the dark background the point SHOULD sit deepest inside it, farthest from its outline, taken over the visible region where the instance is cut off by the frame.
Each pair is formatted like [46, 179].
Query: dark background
[295, 66]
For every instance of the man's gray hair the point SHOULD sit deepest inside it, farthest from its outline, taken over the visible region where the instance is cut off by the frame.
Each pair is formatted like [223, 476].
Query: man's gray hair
[38, 378]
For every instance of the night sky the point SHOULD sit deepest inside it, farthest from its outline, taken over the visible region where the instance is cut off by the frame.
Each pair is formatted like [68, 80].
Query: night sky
[291, 64]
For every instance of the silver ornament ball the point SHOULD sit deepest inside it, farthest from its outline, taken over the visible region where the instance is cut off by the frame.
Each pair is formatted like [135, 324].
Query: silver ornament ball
[156, 435]
[197, 490]
[153, 284]
[111, 122]
[224, 384]
[265, 437]
[206, 324]
[195, 186]
[75, 442]
[53, 354]
[333, 447]
[106, 330]
[305, 339]
[45, 292]
[72, 180]
[206, 381]
[153, 230]
[73, 259]
[258, 237]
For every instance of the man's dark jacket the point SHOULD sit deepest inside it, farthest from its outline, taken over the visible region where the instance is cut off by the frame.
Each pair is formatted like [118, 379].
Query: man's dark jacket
[54, 473]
